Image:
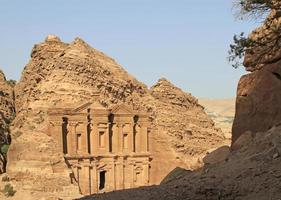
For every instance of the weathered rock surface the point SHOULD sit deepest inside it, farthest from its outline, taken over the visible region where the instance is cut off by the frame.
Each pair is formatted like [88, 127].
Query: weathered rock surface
[258, 100]
[60, 73]
[250, 172]
[266, 40]
[7, 111]
[258, 93]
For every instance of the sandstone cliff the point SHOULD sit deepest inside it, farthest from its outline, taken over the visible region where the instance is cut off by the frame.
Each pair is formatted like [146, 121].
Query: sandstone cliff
[258, 93]
[60, 73]
[7, 112]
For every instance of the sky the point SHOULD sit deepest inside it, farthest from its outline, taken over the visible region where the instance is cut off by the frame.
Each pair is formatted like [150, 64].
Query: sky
[185, 41]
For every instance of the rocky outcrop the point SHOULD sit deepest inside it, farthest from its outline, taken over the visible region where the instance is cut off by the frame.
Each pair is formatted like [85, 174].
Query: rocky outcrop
[251, 172]
[266, 41]
[258, 93]
[7, 112]
[184, 121]
[60, 73]
[258, 97]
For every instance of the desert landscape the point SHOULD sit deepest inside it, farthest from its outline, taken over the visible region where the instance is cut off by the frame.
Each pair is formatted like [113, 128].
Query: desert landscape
[78, 125]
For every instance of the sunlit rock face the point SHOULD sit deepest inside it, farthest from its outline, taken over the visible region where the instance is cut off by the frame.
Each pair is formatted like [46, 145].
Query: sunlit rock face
[71, 74]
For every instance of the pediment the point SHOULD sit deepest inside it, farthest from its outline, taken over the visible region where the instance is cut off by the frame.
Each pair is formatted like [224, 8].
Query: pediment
[122, 109]
[89, 105]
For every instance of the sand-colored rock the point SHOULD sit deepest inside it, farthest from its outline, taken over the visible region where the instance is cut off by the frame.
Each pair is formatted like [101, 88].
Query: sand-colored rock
[257, 103]
[63, 74]
[251, 172]
[7, 111]
[266, 41]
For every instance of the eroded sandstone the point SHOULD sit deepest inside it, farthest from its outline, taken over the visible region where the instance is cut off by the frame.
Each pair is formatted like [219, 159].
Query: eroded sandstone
[7, 112]
[63, 74]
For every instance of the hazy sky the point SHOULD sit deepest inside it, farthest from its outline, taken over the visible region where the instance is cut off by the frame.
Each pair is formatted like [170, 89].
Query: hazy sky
[185, 41]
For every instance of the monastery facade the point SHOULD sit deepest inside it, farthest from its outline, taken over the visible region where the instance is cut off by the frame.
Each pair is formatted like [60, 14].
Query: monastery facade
[107, 149]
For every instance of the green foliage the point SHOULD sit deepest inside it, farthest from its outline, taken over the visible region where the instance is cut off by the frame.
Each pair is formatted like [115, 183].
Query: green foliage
[254, 9]
[4, 149]
[8, 190]
[238, 49]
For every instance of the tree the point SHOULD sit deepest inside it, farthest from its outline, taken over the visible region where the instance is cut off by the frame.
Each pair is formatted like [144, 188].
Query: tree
[262, 42]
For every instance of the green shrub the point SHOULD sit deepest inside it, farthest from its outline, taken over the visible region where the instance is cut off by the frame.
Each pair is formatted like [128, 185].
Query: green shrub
[4, 149]
[8, 190]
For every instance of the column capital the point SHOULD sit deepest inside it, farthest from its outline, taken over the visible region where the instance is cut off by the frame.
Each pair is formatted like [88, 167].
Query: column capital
[56, 123]
[73, 123]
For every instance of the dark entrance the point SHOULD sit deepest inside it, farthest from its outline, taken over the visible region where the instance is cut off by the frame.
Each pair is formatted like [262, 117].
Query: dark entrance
[102, 180]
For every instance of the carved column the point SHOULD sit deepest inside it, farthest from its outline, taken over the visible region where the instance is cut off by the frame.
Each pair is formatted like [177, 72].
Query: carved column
[131, 139]
[107, 143]
[85, 137]
[71, 139]
[84, 178]
[146, 173]
[115, 138]
[114, 175]
[120, 173]
[94, 178]
[120, 137]
[131, 175]
[94, 139]
[138, 141]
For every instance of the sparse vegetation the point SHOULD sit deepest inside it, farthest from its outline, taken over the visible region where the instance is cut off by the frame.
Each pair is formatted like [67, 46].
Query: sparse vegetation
[262, 42]
[4, 149]
[8, 190]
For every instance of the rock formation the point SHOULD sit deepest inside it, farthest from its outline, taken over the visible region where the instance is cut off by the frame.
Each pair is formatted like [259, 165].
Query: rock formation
[258, 97]
[252, 171]
[61, 74]
[258, 93]
[7, 112]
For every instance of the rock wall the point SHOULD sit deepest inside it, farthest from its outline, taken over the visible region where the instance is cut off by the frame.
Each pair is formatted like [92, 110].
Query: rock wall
[7, 112]
[258, 101]
[60, 73]
[258, 93]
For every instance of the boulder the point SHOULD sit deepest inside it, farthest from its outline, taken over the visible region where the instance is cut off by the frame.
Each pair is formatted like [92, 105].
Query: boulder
[258, 100]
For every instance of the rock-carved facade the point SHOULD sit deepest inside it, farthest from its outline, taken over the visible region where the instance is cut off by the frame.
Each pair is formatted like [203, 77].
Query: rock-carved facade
[107, 149]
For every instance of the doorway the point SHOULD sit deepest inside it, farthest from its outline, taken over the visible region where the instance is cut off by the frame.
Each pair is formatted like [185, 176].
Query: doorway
[102, 180]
